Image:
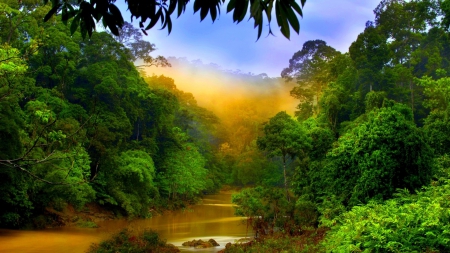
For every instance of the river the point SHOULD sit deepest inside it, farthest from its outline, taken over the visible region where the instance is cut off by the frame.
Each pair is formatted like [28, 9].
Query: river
[213, 218]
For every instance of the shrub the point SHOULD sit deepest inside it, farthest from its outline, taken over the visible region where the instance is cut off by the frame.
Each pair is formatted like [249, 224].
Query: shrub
[407, 223]
[125, 241]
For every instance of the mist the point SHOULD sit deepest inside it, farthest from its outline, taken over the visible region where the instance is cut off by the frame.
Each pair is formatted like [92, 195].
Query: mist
[226, 92]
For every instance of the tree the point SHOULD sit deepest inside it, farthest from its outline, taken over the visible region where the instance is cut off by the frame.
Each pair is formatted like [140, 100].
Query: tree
[184, 168]
[283, 136]
[312, 71]
[369, 54]
[139, 49]
[265, 209]
[403, 24]
[90, 12]
[378, 156]
[437, 124]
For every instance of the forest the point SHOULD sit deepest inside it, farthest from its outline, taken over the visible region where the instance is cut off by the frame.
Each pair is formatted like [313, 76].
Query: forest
[362, 165]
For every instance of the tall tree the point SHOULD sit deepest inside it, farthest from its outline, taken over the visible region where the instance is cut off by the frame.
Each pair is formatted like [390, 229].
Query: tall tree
[311, 69]
[140, 49]
[370, 53]
[404, 23]
[283, 136]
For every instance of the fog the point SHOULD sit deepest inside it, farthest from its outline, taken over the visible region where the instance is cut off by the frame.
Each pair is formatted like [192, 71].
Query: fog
[227, 92]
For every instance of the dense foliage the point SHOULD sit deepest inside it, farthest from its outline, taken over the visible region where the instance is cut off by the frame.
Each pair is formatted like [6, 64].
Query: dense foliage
[377, 118]
[81, 125]
[366, 156]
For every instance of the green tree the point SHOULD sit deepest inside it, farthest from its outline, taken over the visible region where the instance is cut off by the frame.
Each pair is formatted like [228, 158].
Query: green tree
[184, 173]
[437, 124]
[384, 153]
[265, 209]
[311, 68]
[283, 136]
[130, 182]
[369, 54]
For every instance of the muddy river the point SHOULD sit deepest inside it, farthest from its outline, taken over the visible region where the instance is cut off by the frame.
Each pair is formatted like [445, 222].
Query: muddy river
[212, 218]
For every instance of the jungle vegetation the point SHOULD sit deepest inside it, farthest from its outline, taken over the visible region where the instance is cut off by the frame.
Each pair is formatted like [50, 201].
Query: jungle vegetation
[365, 157]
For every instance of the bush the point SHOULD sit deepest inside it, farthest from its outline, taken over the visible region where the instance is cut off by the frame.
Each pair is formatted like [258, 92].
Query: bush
[266, 209]
[377, 157]
[125, 241]
[407, 223]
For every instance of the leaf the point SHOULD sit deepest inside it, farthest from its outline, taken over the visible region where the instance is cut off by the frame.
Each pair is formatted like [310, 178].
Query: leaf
[75, 24]
[109, 19]
[231, 5]
[240, 10]
[83, 29]
[197, 5]
[291, 17]
[282, 20]
[154, 20]
[181, 7]
[297, 8]
[116, 14]
[213, 12]
[91, 26]
[64, 14]
[203, 13]
[51, 12]
[169, 24]
[255, 8]
[172, 6]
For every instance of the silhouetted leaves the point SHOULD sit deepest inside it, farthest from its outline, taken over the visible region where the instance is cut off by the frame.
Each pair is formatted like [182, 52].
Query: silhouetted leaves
[287, 13]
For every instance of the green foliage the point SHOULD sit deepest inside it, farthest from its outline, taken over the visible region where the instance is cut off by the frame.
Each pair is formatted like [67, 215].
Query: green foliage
[307, 242]
[253, 168]
[184, 169]
[130, 182]
[437, 92]
[312, 68]
[283, 137]
[266, 209]
[17, 206]
[321, 138]
[90, 116]
[436, 130]
[378, 156]
[407, 223]
[71, 168]
[126, 241]
[374, 100]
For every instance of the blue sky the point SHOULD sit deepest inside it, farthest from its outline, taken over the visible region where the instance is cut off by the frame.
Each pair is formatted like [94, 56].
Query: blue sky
[234, 46]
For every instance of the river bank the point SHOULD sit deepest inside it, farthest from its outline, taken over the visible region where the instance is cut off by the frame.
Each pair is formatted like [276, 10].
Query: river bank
[213, 217]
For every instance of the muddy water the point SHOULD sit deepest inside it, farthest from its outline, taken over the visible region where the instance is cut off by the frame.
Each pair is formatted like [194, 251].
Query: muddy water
[213, 218]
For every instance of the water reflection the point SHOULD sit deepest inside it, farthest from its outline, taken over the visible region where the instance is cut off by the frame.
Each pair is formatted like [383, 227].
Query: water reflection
[213, 218]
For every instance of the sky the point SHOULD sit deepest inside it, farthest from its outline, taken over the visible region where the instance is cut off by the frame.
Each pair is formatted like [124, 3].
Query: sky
[234, 46]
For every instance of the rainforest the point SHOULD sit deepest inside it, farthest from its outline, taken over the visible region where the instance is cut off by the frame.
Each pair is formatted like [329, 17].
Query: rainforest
[121, 151]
